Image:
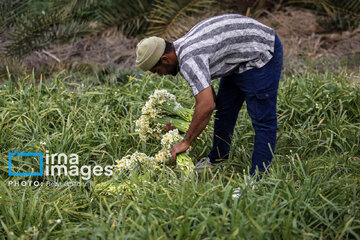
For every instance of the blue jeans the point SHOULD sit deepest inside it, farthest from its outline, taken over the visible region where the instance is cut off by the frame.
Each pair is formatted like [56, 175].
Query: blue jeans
[258, 87]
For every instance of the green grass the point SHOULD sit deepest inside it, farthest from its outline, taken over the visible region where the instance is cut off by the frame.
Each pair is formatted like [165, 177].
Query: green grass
[311, 192]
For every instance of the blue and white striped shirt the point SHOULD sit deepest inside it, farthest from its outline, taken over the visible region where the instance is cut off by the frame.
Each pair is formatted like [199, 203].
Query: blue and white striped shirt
[223, 45]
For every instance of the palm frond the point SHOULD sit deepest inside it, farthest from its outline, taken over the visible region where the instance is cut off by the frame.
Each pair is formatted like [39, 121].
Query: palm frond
[249, 8]
[166, 13]
[354, 5]
[9, 10]
[129, 16]
[41, 30]
[84, 10]
[351, 7]
[74, 6]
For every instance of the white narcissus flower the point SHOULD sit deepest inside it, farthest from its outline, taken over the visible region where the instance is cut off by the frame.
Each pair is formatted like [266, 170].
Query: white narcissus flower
[170, 138]
[167, 142]
[163, 156]
[130, 162]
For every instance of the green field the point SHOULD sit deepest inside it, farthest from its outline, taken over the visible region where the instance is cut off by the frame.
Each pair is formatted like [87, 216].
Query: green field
[311, 192]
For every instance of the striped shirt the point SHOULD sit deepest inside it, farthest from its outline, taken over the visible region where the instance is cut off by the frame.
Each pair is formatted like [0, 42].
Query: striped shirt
[223, 45]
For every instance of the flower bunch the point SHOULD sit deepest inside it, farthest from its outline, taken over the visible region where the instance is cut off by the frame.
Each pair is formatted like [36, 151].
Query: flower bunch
[156, 100]
[167, 141]
[180, 111]
[146, 128]
[183, 160]
[130, 162]
[159, 109]
[170, 138]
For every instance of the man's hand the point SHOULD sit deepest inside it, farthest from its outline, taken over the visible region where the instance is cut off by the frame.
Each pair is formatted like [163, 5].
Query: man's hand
[169, 126]
[179, 148]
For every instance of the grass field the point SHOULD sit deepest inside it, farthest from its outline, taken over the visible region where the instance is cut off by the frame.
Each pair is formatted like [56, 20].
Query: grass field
[311, 192]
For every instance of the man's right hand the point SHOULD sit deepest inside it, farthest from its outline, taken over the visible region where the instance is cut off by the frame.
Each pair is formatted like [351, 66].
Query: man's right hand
[169, 126]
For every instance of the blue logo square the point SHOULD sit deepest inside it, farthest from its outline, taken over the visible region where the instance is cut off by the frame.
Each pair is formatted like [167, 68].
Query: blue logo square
[26, 155]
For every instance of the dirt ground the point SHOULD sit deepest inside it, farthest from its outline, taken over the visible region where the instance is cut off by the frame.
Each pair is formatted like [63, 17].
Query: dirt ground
[297, 28]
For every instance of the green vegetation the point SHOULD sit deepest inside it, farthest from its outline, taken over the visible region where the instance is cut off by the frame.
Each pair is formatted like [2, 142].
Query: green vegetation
[311, 192]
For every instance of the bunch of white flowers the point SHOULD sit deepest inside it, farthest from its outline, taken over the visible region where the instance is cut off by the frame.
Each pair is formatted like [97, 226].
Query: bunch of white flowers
[161, 96]
[168, 140]
[130, 162]
[145, 128]
[163, 156]
[152, 107]
[155, 112]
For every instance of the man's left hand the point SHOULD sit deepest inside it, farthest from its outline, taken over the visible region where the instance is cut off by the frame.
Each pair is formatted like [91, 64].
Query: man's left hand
[179, 148]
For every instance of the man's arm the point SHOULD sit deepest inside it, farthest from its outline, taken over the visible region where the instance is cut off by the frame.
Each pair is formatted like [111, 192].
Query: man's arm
[204, 106]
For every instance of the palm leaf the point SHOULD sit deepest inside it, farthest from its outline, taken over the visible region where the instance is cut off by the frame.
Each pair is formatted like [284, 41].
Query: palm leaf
[41, 30]
[10, 10]
[129, 16]
[85, 10]
[75, 6]
[166, 13]
[351, 7]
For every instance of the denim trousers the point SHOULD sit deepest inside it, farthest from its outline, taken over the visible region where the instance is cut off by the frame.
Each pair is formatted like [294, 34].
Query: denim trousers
[258, 87]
